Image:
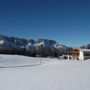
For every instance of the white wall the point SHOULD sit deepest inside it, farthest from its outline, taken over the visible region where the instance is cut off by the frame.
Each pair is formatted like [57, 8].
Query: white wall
[81, 55]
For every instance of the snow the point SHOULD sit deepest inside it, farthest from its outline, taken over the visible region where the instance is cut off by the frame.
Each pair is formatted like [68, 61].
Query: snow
[1, 42]
[52, 74]
[38, 44]
[17, 61]
[85, 50]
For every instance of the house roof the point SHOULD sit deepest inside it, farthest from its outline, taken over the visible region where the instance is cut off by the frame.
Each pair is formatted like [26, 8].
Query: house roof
[84, 50]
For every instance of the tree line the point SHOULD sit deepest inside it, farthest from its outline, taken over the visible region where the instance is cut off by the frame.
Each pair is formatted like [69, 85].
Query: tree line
[40, 52]
[85, 46]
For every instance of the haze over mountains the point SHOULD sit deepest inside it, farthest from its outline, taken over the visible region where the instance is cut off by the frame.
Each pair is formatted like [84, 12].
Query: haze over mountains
[43, 47]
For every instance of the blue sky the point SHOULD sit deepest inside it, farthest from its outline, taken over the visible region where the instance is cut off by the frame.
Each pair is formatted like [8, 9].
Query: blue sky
[66, 21]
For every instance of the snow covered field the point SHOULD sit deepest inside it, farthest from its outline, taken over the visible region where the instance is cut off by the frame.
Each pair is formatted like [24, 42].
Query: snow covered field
[52, 74]
[17, 61]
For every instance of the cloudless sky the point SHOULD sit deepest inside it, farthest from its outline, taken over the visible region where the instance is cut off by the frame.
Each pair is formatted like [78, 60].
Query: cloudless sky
[66, 21]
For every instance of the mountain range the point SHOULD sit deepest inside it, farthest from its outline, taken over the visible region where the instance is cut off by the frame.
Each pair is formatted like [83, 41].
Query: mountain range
[45, 47]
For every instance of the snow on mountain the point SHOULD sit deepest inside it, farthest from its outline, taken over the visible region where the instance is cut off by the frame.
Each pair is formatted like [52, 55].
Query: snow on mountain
[31, 45]
[6, 44]
[49, 43]
[52, 74]
[1, 42]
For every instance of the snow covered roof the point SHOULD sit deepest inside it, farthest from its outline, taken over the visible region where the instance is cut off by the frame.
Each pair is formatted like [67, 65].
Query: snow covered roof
[85, 50]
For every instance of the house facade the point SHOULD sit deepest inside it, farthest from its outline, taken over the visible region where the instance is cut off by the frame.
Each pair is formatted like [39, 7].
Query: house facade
[79, 54]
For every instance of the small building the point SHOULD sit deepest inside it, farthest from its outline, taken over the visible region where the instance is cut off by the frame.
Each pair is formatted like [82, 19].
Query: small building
[79, 54]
